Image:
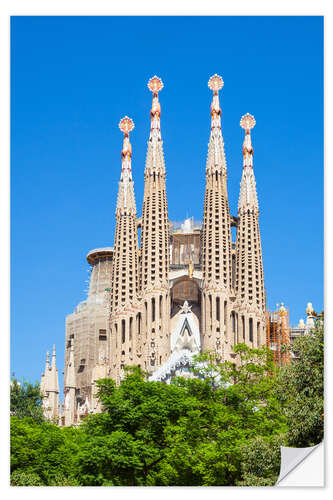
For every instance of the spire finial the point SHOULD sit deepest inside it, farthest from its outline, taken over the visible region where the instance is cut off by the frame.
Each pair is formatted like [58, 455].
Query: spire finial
[126, 125]
[126, 193]
[155, 85]
[53, 362]
[215, 83]
[247, 123]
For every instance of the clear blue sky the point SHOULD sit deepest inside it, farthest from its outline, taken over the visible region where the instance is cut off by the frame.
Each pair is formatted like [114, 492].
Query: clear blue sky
[74, 78]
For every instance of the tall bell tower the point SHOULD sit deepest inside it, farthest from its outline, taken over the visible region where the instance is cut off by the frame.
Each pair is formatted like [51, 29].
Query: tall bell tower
[250, 289]
[216, 239]
[125, 309]
[154, 279]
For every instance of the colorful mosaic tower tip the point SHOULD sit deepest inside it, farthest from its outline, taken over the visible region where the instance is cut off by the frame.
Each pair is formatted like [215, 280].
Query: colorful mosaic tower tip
[155, 84]
[215, 83]
[247, 122]
[126, 125]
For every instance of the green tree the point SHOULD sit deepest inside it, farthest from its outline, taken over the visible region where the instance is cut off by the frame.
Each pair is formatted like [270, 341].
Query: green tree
[301, 390]
[238, 403]
[26, 400]
[222, 427]
[42, 452]
[260, 461]
[191, 432]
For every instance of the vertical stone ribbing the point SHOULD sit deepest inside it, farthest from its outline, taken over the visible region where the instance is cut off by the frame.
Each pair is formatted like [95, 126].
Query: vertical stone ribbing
[50, 389]
[216, 240]
[154, 277]
[70, 402]
[125, 308]
[250, 289]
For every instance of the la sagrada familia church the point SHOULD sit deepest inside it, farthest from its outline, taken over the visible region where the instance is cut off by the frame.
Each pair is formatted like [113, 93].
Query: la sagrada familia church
[187, 288]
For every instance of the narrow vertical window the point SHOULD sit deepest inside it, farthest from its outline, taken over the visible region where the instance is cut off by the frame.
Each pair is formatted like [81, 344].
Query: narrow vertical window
[130, 328]
[258, 334]
[123, 331]
[217, 308]
[251, 329]
[243, 327]
[153, 309]
[225, 313]
[146, 315]
[139, 323]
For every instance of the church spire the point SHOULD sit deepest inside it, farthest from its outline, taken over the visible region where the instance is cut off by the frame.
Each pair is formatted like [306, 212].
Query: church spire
[155, 156]
[248, 193]
[155, 85]
[216, 157]
[47, 365]
[154, 280]
[45, 375]
[70, 381]
[126, 198]
[53, 380]
[250, 290]
[125, 267]
[216, 239]
[50, 387]
[70, 388]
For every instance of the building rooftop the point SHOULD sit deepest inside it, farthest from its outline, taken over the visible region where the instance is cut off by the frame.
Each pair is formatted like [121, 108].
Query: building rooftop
[98, 253]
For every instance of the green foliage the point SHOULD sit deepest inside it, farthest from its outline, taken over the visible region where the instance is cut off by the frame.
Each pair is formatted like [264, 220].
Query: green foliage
[301, 390]
[21, 477]
[41, 451]
[26, 400]
[260, 461]
[190, 432]
[223, 427]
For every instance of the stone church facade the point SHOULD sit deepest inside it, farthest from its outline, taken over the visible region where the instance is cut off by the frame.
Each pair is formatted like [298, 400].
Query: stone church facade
[186, 288]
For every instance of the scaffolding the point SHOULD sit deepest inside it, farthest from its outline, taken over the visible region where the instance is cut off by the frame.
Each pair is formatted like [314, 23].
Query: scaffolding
[278, 337]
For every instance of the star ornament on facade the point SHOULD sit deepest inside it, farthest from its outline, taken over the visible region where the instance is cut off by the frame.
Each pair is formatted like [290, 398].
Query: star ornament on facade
[185, 308]
[126, 125]
[247, 122]
[215, 83]
[155, 84]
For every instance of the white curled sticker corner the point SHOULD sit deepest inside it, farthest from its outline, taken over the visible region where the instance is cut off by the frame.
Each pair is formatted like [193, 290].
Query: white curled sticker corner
[291, 458]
